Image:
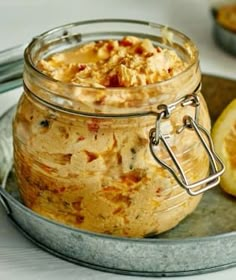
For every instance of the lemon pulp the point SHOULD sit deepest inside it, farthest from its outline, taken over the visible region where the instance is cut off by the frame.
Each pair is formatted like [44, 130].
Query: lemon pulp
[224, 139]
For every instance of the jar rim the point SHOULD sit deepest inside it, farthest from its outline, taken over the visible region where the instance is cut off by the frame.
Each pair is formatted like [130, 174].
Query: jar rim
[37, 39]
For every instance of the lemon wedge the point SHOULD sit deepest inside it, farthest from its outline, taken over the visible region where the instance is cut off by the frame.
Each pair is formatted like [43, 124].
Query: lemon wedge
[224, 139]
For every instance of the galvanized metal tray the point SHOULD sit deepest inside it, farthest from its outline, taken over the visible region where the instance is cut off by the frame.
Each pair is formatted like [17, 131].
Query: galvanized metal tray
[205, 241]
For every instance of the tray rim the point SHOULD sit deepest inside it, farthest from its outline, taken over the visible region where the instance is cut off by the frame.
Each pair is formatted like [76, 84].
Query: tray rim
[117, 270]
[7, 196]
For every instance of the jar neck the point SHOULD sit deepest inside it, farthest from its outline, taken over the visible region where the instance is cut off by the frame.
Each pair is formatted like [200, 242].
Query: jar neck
[79, 100]
[133, 100]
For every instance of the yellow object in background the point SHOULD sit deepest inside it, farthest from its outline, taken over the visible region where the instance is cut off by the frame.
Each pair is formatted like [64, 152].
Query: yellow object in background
[224, 138]
[226, 16]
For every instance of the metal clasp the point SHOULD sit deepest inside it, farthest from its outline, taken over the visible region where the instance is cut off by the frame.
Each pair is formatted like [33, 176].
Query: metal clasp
[216, 166]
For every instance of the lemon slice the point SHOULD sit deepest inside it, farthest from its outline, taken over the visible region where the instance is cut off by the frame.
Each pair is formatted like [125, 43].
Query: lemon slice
[224, 139]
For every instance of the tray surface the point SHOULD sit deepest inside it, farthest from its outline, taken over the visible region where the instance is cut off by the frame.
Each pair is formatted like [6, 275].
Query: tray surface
[209, 230]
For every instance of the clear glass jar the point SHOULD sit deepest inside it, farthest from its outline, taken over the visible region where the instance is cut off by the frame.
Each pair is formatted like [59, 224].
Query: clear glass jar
[86, 162]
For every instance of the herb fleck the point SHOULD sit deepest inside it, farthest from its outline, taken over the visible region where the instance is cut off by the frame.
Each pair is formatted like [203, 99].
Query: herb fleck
[44, 123]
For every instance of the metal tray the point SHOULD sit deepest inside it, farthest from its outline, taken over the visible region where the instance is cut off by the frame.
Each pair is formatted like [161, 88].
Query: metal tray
[205, 241]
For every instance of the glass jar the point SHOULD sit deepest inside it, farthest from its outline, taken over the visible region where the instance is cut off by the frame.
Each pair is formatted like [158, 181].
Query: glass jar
[82, 155]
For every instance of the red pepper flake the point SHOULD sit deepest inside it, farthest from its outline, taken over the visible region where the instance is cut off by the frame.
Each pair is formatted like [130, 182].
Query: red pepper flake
[47, 169]
[41, 186]
[80, 138]
[139, 50]
[114, 81]
[81, 67]
[93, 125]
[170, 70]
[131, 178]
[60, 190]
[77, 204]
[118, 210]
[149, 55]
[79, 219]
[158, 190]
[122, 198]
[91, 156]
[110, 46]
[100, 101]
[113, 194]
[158, 49]
[125, 43]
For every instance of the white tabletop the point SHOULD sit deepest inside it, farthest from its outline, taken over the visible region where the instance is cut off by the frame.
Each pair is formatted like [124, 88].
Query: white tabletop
[20, 20]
